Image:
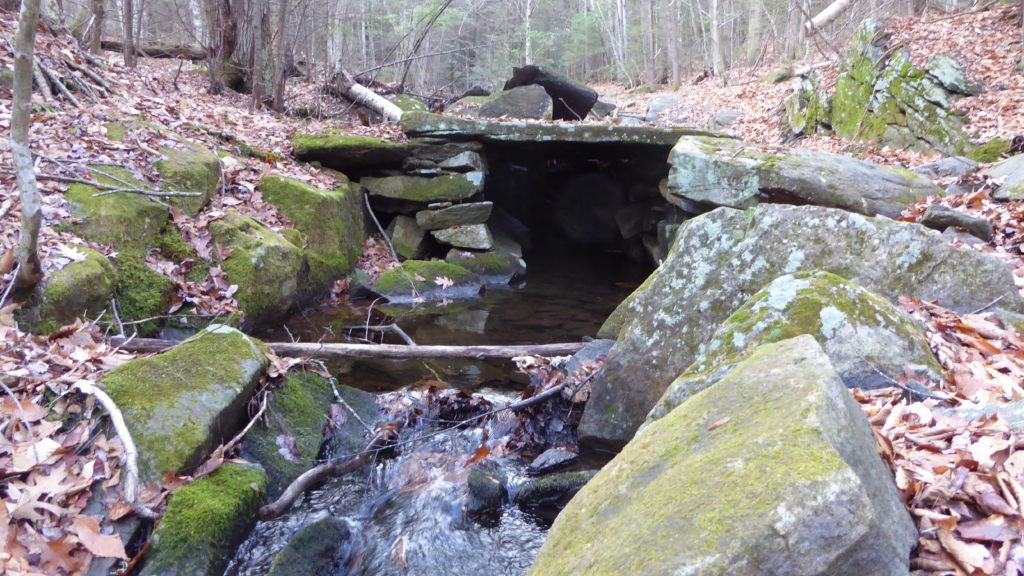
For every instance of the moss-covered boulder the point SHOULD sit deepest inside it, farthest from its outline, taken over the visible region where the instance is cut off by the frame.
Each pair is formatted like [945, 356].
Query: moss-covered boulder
[323, 547]
[870, 342]
[721, 259]
[1011, 172]
[141, 291]
[470, 105]
[492, 266]
[348, 153]
[262, 263]
[727, 172]
[81, 289]
[772, 470]
[122, 219]
[204, 522]
[409, 103]
[807, 108]
[528, 102]
[332, 224]
[424, 189]
[189, 167]
[426, 280]
[181, 404]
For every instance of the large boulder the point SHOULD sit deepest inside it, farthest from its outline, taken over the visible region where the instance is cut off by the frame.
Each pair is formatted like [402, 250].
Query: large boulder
[204, 522]
[869, 341]
[526, 102]
[123, 219]
[728, 172]
[189, 167]
[181, 404]
[332, 224]
[571, 101]
[771, 471]
[722, 258]
[81, 289]
[262, 263]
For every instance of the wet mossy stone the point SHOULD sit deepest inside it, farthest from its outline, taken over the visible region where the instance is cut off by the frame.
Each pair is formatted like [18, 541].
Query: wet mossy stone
[179, 405]
[493, 266]
[424, 189]
[78, 290]
[423, 280]
[262, 263]
[552, 490]
[349, 437]
[469, 236]
[346, 152]
[773, 470]
[869, 341]
[487, 490]
[189, 167]
[332, 223]
[727, 172]
[123, 220]
[289, 441]
[991, 151]
[205, 521]
[722, 258]
[323, 547]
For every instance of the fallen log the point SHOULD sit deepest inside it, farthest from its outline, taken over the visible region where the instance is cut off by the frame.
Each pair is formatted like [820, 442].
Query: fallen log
[159, 50]
[342, 84]
[393, 351]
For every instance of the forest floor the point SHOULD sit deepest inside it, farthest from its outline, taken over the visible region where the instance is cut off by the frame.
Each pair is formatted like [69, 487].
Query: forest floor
[963, 480]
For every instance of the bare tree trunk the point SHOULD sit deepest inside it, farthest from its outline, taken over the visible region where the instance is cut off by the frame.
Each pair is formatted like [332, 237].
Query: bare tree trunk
[280, 55]
[29, 268]
[755, 30]
[674, 39]
[222, 21]
[826, 16]
[717, 64]
[345, 85]
[95, 35]
[128, 31]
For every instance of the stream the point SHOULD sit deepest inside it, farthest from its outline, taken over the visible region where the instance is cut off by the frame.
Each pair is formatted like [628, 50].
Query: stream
[407, 514]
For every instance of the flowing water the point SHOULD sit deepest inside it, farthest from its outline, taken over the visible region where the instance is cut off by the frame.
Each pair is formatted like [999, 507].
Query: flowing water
[406, 514]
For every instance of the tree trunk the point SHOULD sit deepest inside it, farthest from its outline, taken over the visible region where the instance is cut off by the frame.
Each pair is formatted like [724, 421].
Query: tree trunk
[345, 85]
[222, 21]
[280, 62]
[183, 51]
[95, 35]
[29, 268]
[755, 30]
[128, 31]
[717, 63]
[826, 16]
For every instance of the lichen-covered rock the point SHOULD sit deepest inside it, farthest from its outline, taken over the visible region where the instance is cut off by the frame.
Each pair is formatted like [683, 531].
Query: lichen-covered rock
[772, 470]
[1011, 171]
[420, 189]
[123, 220]
[332, 224]
[946, 167]
[722, 258]
[470, 236]
[468, 161]
[189, 167]
[80, 289]
[346, 152]
[727, 172]
[181, 404]
[870, 342]
[492, 266]
[407, 237]
[409, 103]
[468, 213]
[288, 441]
[528, 102]
[807, 109]
[262, 263]
[323, 547]
[204, 522]
[425, 280]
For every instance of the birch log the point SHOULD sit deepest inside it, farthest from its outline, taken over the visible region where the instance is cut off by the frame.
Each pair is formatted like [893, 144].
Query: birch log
[826, 16]
[346, 86]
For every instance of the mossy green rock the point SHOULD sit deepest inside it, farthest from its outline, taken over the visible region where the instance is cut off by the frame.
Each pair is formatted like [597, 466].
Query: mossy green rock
[423, 280]
[722, 258]
[262, 263]
[323, 547]
[332, 223]
[409, 103]
[204, 522]
[141, 291]
[492, 265]
[124, 220]
[181, 404]
[727, 172]
[787, 481]
[295, 418]
[807, 109]
[528, 102]
[869, 341]
[407, 237]
[423, 189]
[346, 152]
[189, 167]
[470, 236]
[79, 289]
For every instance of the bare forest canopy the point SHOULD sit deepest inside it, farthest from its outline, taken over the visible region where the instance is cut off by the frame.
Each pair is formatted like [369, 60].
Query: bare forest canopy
[441, 48]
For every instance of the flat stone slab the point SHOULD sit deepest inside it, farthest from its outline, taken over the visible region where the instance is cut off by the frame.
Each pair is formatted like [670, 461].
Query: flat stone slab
[460, 214]
[421, 124]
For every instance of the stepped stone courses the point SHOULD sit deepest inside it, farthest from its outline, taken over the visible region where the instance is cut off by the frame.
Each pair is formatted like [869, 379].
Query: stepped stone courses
[772, 470]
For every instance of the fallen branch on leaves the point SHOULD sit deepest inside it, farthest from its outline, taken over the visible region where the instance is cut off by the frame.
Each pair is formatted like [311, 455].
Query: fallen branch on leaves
[393, 351]
[107, 189]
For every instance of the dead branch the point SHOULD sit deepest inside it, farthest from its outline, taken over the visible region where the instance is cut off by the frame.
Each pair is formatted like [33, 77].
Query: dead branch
[393, 351]
[107, 190]
[131, 467]
[159, 50]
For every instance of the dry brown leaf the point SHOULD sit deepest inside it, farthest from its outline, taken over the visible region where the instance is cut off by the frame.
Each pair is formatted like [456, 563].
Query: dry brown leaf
[103, 545]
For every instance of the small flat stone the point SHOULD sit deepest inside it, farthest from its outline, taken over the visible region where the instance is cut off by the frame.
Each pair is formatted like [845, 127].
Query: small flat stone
[940, 217]
[473, 237]
[457, 215]
[552, 459]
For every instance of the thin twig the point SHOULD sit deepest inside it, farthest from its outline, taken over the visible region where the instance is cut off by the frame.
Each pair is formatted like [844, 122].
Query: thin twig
[10, 286]
[24, 421]
[259, 414]
[978, 311]
[340, 400]
[107, 189]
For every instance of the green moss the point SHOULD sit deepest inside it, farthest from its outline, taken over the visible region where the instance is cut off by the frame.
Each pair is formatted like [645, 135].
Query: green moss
[421, 275]
[316, 549]
[124, 220]
[298, 410]
[141, 292]
[492, 263]
[116, 131]
[246, 150]
[79, 289]
[190, 169]
[204, 522]
[173, 247]
[991, 151]
[423, 190]
[304, 143]
[180, 404]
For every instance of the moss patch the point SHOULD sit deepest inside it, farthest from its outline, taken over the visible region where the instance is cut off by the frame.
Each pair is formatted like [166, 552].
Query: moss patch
[490, 264]
[191, 168]
[991, 151]
[316, 549]
[205, 521]
[180, 404]
[423, 277]
[80, 289]
[141, 292]
[124, 220]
